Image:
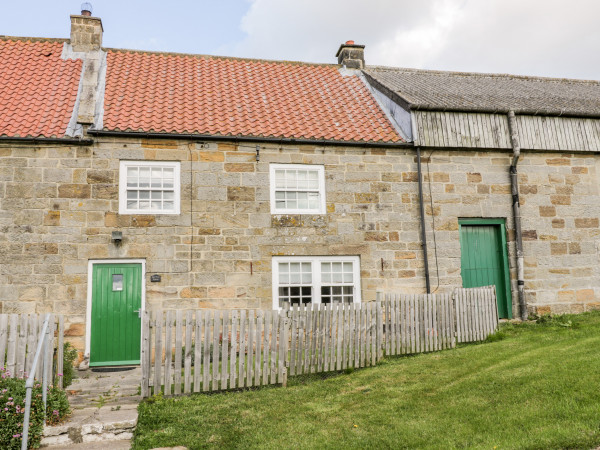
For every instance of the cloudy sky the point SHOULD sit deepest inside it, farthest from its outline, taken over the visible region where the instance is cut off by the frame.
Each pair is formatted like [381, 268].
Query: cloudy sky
[529, 37]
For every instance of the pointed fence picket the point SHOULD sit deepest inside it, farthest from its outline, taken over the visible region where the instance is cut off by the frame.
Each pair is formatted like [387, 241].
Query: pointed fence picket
[209, 350]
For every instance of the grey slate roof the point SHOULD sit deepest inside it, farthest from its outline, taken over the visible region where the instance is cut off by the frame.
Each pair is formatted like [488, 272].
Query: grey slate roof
[436, 90]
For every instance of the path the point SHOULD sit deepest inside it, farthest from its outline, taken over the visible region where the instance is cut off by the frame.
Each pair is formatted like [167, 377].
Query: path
[104, 409]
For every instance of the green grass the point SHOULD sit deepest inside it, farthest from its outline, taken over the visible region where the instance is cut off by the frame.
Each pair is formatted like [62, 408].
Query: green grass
[533, 385]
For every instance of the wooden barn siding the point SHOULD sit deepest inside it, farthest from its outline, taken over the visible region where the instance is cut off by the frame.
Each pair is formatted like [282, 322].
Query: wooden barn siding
[475, 130]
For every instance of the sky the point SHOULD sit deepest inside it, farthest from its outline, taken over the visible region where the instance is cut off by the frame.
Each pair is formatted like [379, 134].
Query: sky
[526, 37]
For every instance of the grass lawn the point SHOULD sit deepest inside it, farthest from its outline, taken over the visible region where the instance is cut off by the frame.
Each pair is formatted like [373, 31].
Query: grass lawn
[536, 385]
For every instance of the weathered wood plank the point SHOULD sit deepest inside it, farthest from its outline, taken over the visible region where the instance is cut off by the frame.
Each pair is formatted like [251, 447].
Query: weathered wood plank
[187, 364]
[158, 341]
[294, 332]
[207, 344]
[178, 351]
[250, 352]
[235, 318]
[260, 319]
[4, 337]
[225, 351]
[329, 333]
[243, 351]
[60, 350]
[22, 345]
[145, 357]
[379, 330]
[265, 369]
[11, 352]
[321, 336]
[274, 328]
[31, 344]
[168, 353]
[197, 350]
[282, 344]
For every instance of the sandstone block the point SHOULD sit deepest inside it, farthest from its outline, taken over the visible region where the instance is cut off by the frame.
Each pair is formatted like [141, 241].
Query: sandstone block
[474, 177]
[558, 248]
[193, 292]
[239, 167]
[560, 199]
[547, 211]
[52, 218]
[100, 176]
[74, 191]
[242, 194]
[586, 222]
[585, 295]
[211, 156]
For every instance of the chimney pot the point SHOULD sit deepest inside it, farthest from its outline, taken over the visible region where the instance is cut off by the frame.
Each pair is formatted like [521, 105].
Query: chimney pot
[351, 55]
[86, 9]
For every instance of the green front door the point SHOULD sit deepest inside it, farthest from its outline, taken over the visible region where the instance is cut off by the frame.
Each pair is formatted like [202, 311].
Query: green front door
[484, 259]
[116, 325]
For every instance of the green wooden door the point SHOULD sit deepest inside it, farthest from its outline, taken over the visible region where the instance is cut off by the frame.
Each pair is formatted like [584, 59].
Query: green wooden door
[484, 259]
[116, 325]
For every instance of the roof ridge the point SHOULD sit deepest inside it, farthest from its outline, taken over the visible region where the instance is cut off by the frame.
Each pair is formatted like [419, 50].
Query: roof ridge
[483, 74]
[32, 39]
[234, 58]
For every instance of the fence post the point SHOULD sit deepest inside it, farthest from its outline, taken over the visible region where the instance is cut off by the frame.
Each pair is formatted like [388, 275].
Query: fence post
[145, 355]
[379, 312]
[60, 350]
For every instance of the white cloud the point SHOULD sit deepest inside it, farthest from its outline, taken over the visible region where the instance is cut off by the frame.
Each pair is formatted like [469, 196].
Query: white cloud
[538, 37]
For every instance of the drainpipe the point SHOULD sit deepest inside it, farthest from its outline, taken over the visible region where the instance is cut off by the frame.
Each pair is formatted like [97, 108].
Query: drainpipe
[422, 211]
[514, 183]
[415, 138]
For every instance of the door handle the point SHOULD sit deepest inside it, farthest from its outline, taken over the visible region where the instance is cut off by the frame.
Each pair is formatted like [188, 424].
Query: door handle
[139, 313]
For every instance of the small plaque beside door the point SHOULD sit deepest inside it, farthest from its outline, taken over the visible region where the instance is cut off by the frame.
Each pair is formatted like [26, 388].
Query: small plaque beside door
[117, 280]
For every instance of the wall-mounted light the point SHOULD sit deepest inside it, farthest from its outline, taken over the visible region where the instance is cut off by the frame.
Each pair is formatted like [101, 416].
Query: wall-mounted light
[117, 237]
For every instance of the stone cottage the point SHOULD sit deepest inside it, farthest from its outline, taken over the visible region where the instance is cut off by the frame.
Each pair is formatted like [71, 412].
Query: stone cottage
[134, 180]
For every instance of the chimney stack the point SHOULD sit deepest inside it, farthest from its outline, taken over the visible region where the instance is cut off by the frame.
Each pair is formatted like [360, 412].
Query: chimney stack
[351, 55]
[86, 31]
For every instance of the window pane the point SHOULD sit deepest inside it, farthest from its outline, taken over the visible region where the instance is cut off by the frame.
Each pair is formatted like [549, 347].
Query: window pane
[156, 195]
[144, 205]
[132, 204]
[117, 282]
[132, 172]
[132, 182]
[313, 200]
[156, 205]
[144, 195]
[168, 195]
[132, 195]
[168, 206]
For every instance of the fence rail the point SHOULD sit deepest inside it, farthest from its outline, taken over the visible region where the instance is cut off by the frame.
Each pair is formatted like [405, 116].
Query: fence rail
[205, 350]
[19, 336]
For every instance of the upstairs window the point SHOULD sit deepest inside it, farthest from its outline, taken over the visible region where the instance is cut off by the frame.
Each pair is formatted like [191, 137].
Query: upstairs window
[149, 187]
[303, 280]
[297, 189]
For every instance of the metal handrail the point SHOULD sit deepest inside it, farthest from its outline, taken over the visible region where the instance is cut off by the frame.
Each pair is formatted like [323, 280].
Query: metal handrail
[41, 350]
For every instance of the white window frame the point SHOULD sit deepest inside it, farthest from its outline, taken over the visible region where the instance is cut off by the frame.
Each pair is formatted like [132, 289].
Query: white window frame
[321, 177]
[175, 165]
[316, 275]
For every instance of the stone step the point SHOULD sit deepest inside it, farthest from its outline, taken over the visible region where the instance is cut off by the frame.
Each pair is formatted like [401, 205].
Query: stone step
[93, 425]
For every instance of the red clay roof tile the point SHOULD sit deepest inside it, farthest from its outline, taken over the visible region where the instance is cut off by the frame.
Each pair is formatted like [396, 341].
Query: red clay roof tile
[37, 88]
[167, 93]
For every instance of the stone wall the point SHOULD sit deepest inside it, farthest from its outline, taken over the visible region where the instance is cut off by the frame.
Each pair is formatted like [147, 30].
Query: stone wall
[60, 204]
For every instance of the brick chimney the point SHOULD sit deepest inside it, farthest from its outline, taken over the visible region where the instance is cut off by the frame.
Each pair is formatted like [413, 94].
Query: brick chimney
[86, 31]
[351, 55]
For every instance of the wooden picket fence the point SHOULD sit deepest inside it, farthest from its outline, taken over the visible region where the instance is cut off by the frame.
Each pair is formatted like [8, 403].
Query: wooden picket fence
[208, 350]
[19, 336]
